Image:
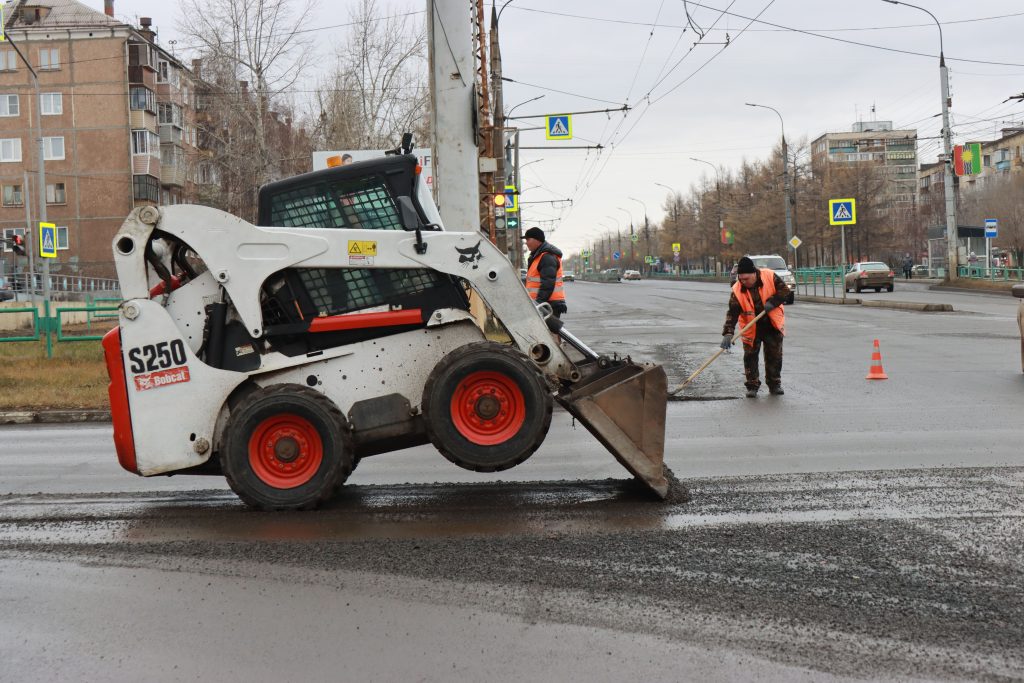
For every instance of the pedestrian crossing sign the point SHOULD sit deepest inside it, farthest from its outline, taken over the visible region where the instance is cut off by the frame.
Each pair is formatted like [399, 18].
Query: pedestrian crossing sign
[511, 199]
[48, 240]
[842, 211]
[558, 127]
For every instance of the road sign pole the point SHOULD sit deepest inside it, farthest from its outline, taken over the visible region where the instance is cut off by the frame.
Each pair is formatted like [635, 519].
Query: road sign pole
[842, 261]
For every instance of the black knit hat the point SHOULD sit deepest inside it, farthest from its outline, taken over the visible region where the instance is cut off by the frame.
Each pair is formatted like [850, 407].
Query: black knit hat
[535, 233]
[745, 265]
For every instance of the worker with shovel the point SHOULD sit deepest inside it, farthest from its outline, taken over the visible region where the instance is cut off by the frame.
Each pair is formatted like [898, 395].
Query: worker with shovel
[757, 291]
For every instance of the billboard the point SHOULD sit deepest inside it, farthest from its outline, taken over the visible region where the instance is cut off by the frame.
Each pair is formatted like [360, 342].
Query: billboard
[349, 156]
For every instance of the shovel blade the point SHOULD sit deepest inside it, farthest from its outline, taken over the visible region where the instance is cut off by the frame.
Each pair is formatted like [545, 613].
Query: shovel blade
[624, 408]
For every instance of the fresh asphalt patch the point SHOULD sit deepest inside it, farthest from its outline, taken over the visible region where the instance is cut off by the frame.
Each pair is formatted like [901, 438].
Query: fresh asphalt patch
[887, 574]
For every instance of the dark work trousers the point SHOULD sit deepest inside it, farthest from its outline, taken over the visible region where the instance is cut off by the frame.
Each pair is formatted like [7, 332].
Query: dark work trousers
[771, 339]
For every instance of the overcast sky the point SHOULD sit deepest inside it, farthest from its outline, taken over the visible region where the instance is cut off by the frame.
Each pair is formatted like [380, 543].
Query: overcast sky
[607, 52]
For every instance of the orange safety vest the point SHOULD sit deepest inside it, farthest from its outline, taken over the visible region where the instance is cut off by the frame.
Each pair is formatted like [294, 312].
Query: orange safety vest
[746, 299]
[533, 280]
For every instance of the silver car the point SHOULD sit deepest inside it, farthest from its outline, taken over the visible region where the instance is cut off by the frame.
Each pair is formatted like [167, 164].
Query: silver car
[778, 264]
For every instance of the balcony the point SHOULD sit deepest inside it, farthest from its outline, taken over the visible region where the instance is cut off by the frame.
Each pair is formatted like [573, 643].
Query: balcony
[173, 175]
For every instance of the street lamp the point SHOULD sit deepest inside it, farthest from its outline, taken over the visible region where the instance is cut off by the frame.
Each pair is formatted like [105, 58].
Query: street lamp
[785, 173]
[947, 143]
[532, 99]
[647, 233]
[718, 192]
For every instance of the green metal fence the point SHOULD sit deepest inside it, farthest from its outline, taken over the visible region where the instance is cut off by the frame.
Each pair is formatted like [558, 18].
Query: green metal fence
[819, 281]
[995, 274]
[51, 326]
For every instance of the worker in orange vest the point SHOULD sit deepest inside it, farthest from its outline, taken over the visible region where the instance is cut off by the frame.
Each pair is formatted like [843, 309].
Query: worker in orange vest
[544, 272]
[756, 290]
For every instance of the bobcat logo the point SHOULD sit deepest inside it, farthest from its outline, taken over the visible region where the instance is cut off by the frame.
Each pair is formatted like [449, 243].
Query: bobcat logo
[471, 255]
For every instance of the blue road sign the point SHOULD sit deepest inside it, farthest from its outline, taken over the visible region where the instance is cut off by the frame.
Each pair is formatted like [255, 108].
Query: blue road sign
[48, 240]
[842, 211]
[558, 127]
[991, 228]
[616, 255]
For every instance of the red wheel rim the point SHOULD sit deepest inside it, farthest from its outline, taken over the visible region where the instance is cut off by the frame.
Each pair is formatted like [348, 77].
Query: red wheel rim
[285, 451]
[488, 408]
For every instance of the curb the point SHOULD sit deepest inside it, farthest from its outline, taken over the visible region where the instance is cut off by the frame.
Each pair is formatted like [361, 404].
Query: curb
[894, 305]
[23, 417]
[908, 306]
[811, 298]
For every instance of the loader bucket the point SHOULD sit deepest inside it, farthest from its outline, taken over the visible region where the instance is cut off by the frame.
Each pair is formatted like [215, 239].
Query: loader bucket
[624, 408]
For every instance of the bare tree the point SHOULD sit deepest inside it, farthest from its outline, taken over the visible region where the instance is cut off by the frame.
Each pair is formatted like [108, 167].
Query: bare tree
[1002, 198]
[253, 52]
[378, 87]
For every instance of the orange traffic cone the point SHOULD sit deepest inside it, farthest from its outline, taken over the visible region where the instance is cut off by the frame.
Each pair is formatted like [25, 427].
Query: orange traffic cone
[876, 371]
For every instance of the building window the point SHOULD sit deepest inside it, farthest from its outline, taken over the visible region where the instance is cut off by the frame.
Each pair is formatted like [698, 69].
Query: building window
[10, 149]
[8, 60]
[62, 237]
[49, 59]
[170, 114]
[13, 195]
[162, 68]
[146, 187]
[53, 148]
[142, 99]
[9, 105]
[145, 142]
[55, 194]
[51, 103]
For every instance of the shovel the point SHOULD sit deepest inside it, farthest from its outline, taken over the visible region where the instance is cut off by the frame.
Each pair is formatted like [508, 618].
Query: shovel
[711, 360]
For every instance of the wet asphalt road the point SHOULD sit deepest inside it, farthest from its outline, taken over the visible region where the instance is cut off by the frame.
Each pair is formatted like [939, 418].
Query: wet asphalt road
[847, 529]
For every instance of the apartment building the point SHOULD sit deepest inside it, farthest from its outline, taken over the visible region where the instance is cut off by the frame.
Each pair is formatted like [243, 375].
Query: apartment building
[118, 120]
[878, 144]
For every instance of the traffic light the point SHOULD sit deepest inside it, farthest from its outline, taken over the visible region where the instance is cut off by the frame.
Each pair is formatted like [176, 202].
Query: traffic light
[18, 244]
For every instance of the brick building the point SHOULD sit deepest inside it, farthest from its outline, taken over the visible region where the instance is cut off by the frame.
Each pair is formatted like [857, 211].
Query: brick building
[118, 124]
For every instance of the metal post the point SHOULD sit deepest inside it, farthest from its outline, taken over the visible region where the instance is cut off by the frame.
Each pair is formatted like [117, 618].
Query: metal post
[29, 244]
[785, 173]
[947, 143]
[842, 261]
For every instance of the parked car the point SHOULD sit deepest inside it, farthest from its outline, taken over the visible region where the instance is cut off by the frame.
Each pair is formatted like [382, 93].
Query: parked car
[569, 276]
[6, 295]
[919, 271]
[869, 274]
[776, 263]
[1018, 291]
[631, 275]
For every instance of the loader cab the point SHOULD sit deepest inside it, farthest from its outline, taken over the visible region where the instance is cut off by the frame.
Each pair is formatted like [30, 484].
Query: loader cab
[362, 196]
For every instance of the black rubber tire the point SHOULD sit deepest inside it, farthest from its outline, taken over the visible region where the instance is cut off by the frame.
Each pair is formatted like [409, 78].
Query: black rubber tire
[321, 413]
[441, 386]
[790, 299]
[878, 290]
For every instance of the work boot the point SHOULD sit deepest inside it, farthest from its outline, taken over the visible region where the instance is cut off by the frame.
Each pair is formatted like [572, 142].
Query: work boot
[776, 391]
[751, 393]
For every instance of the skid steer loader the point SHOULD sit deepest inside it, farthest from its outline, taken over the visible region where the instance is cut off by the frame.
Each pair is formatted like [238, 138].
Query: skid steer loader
[279, 355]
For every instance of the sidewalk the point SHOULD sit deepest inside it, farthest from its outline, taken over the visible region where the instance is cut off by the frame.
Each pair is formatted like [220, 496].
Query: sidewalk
[22, 417]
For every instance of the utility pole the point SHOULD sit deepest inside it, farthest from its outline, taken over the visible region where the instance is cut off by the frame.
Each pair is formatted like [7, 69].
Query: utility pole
[456, 161]
[33, 234]
[647, 234]
[498, 132]
[487, 162]
[952, 236]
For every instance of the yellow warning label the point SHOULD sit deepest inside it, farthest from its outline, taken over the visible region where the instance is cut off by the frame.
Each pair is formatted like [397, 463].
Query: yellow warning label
[362, 248]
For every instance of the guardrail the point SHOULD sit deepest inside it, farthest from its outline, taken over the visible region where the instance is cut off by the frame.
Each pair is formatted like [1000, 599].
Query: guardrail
[830, 281]
[25, 283]
[982, 273]
[50, 324]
